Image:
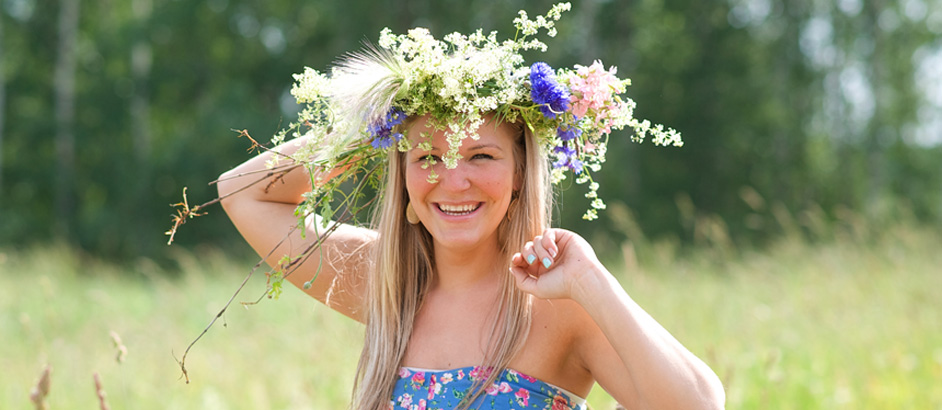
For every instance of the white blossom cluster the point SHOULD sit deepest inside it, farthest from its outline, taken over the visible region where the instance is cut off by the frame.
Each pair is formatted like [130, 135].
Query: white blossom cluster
[456, 81]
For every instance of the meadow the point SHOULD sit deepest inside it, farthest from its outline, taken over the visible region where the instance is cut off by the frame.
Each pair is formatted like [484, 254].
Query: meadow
[849, 322]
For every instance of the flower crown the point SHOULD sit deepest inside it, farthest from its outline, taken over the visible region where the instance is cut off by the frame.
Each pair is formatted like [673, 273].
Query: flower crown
[352, 115]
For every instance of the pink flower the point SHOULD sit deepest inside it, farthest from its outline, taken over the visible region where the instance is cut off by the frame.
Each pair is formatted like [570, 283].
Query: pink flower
[491, 390]
[403, 372]
[559, 402]
[418, 378]
[523, 376]
[460, 374]
[504, 387]
[480, 373]
[405, 400]
[433, 388]
[523, 397]
[592, 88]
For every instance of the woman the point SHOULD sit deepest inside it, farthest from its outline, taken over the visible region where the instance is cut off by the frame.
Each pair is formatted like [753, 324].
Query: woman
[470, 300]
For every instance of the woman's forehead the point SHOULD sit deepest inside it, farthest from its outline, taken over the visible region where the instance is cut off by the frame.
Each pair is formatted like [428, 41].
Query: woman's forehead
[491, 134]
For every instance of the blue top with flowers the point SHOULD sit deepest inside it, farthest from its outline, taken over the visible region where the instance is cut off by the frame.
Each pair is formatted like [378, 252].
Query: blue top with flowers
[420, 389]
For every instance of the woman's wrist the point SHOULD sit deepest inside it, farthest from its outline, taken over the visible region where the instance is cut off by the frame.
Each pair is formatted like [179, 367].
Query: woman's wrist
[594, 286]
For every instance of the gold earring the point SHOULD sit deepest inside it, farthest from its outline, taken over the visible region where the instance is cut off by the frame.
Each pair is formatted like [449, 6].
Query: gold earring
[411, 216]
[511, 206]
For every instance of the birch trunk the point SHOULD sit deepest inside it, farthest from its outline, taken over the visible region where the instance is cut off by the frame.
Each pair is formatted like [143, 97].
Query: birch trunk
[141, 58]
[64, 84]
[3, 96]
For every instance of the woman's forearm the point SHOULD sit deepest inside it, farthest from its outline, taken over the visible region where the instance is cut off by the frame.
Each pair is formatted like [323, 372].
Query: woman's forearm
[254, 180]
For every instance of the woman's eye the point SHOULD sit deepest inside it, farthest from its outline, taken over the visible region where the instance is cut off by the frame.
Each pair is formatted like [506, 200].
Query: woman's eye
[482, 156]
[430, 157]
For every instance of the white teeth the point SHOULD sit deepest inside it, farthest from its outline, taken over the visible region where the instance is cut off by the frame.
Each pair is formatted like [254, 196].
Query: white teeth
[457, 209]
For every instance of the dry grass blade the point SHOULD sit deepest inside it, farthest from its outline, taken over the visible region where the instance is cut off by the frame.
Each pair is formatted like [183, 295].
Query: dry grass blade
[100, 392]
[41, 390]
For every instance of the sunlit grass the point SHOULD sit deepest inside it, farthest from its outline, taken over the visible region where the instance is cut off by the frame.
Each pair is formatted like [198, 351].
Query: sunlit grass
[845, 323]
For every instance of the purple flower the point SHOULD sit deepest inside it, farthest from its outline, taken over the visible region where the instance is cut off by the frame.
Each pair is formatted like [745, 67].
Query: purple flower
[552, 97]
[382, 130]
[566, 157]
[568, 132]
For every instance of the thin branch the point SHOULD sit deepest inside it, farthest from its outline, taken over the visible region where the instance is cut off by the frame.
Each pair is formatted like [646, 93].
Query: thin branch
[186, 212]
[274, 175]
[290, 268]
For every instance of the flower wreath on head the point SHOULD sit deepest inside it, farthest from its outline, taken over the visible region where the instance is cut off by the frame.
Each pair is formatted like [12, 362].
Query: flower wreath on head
[351, 115]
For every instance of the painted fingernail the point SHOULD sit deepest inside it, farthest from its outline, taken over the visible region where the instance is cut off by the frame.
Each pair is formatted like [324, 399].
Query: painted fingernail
[547, 262]
[531, 258]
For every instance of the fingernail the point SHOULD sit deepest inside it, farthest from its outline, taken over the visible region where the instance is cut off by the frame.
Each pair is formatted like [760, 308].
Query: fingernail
[552, 252]
[547, 262]
[531, 258]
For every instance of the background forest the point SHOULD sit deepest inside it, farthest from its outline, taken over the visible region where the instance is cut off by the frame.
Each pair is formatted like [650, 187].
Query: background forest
[800, 109]
[804, 212]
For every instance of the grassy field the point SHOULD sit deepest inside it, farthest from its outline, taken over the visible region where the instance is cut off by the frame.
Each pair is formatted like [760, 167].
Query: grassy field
[845, 324]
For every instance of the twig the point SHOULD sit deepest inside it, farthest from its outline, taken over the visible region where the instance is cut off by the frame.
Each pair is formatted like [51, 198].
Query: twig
[286, 269]
[186, 212]
[100, 391]
[39, 392]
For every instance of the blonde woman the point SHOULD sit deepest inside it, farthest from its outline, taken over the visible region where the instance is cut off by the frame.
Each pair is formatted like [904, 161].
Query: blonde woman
[469, 298]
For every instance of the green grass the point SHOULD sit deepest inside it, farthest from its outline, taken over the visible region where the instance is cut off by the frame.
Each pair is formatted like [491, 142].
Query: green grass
[845, 324]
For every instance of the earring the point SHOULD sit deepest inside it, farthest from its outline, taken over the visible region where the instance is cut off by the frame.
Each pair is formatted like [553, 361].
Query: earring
[411, 215]
[511, 207]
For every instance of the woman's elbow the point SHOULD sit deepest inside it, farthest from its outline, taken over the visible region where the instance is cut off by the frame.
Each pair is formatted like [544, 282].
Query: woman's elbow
[712, 396]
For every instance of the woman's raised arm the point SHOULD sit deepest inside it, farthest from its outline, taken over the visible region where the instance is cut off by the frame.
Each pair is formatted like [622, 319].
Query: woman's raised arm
[261, 203]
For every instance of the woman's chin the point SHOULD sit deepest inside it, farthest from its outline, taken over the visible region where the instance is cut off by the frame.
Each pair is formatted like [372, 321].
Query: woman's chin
[462, 239]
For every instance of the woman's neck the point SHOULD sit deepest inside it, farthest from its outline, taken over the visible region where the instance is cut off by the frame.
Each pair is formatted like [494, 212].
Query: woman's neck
[461, 267]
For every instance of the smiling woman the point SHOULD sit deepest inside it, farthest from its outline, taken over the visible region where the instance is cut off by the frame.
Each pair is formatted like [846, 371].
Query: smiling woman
[469, 298]
[468, 202]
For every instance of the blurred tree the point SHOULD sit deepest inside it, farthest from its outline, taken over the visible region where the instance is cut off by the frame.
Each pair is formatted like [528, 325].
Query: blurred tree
[3, 97]
[64, 83]
[109, 108]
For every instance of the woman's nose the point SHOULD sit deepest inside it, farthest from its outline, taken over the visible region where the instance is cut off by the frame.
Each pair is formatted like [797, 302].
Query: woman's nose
[456, 179]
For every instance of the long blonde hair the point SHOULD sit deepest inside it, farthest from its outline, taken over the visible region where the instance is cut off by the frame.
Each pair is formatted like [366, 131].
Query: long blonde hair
[404, 265]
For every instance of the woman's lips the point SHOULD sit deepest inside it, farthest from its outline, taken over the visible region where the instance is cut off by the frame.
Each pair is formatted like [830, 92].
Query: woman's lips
[458, 210]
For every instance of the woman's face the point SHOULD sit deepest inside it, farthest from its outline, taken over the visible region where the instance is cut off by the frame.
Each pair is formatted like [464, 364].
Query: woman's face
[464, 208]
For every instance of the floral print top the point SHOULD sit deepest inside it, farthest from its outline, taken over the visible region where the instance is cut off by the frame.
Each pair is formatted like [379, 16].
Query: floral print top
[419, 389]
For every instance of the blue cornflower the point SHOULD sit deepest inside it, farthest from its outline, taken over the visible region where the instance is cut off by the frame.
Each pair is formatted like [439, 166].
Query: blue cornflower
[552, 97]
[568, 132]
[382, 130]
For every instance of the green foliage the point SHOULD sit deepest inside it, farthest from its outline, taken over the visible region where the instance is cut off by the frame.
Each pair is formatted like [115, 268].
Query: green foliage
[809, 104]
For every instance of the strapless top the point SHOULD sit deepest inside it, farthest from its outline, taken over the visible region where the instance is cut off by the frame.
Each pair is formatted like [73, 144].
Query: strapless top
[422, 389]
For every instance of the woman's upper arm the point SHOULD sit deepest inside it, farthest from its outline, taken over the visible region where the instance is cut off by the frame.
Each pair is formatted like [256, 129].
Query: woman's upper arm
[264, 215]
[604, 363]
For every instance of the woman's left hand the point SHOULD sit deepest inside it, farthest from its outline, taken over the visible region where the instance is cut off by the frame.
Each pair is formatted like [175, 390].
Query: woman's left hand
[556, 265]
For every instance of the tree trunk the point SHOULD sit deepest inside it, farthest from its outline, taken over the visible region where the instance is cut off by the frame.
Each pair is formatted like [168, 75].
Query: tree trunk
[64, 84]
[141, 58]
[3, 95]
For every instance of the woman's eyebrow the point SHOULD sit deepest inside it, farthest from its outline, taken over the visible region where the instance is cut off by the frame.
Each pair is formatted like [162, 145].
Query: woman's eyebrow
[485, 145]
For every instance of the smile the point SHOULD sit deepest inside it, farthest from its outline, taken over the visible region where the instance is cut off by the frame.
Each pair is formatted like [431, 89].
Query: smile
[458, 210]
